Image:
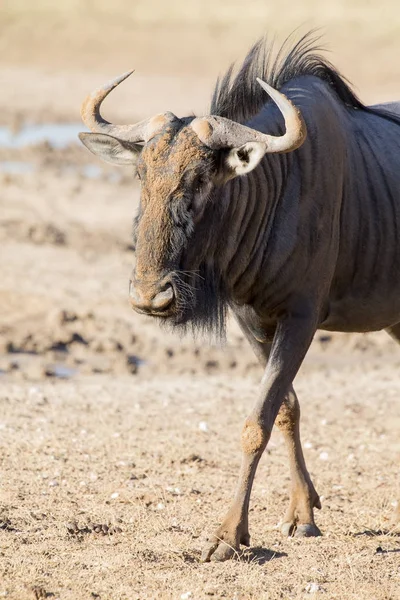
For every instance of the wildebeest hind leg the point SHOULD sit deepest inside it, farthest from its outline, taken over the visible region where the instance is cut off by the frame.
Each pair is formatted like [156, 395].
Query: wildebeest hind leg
[394, 331]
[299, 518]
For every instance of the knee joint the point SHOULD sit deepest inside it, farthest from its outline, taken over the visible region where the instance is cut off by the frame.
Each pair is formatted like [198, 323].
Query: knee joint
[254, 437]
[288, 416]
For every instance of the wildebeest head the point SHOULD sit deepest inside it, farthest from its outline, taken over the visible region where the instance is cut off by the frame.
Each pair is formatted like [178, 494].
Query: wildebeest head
[179, 162]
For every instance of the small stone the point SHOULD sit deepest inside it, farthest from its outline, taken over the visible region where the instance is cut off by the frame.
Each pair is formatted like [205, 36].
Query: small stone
[35, 392]
[203, 426]
[324, 456]
[72, 527]
[174, 491]
[313, 588]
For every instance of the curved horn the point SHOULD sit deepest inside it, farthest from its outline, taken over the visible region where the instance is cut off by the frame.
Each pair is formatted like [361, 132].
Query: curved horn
[93, 120]
[219, 132]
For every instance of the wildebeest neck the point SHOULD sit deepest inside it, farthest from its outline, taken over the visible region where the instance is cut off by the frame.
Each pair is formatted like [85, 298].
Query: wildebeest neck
[245, 227]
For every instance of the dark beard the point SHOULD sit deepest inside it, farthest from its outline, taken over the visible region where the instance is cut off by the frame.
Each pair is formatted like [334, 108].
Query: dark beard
[201, 305]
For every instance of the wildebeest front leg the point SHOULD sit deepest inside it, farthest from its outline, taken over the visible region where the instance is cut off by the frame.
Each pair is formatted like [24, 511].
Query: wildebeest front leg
[299, 517]
[291, 341]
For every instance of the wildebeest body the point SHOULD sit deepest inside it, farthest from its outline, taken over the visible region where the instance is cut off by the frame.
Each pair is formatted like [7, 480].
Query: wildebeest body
[294, 233]
[322, 221]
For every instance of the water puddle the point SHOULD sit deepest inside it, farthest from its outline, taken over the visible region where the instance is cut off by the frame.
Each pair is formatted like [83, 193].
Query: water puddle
[57, 135]
[32, 366]
[16, 167]
[61, 371]
[20, 167]
[92, 171]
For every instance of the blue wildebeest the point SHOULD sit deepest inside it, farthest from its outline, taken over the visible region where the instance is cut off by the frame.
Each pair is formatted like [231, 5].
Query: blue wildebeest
[287, 212]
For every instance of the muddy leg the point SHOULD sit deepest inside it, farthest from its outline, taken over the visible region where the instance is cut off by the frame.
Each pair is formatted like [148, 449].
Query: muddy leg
[291, 341]
[299, 517]
[234, 529]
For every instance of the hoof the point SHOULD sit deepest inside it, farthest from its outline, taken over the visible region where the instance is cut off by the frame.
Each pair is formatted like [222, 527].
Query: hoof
[307, 530]
[290, 529]
[218, 551]
[287, 529]
[224, 545]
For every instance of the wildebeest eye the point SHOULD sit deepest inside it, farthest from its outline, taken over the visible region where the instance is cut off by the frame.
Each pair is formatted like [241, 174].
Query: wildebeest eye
[198, 184]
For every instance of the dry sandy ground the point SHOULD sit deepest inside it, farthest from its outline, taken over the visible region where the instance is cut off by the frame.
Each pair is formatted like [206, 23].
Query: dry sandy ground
[135, 455]
[110, 476]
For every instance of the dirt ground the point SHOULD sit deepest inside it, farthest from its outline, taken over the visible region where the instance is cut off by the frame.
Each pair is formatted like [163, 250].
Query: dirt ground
[119, 443]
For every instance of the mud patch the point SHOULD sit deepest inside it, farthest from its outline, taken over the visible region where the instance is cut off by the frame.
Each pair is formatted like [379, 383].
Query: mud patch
[67, 344]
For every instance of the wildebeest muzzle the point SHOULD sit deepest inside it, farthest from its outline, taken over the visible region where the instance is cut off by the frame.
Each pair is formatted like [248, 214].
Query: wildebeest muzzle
[155, 299]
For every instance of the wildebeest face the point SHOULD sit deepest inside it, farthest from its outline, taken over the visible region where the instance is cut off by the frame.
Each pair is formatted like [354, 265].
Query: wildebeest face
[177, 173]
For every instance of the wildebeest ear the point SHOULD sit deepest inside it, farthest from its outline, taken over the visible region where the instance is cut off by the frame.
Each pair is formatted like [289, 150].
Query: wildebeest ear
[111, 149]
[245, 158]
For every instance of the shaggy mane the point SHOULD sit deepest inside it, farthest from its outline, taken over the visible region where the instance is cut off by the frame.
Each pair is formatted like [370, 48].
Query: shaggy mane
[238, 96]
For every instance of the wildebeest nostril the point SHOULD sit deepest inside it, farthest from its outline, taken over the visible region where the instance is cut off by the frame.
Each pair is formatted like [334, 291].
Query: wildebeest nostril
[163, 299]
[150, 301]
